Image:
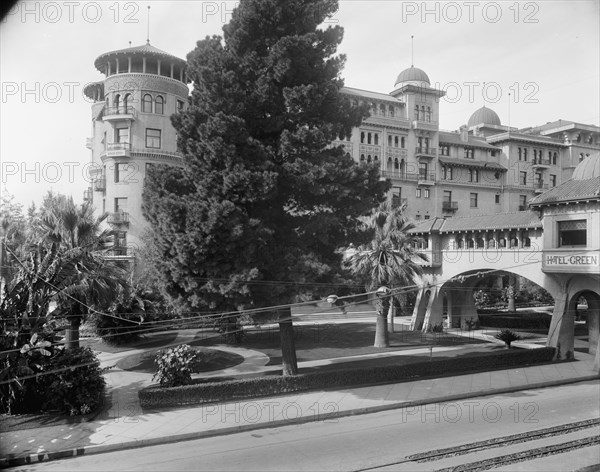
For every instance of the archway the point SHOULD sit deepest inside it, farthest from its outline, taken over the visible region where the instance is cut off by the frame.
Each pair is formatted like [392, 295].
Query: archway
[585, 306]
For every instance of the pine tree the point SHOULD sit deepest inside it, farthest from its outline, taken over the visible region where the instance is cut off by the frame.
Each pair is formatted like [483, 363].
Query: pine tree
[264, 199]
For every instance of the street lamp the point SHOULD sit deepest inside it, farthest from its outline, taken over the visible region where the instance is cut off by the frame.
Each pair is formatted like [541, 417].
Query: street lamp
[382, 291]
[332, 299]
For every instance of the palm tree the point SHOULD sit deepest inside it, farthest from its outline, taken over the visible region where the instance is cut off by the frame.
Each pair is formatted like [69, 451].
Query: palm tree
[389, 259]
[94, 281]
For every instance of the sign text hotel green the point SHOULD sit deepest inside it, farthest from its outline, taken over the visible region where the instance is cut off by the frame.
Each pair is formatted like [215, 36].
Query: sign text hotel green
[572, 260]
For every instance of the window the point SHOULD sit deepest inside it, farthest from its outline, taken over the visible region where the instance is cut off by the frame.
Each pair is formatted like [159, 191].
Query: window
[427, 217]
[376, 138]
[159, 106]
[362, 137]
[147, 103]
[552, 180]
[473, 175]
[444, 150]
[447, 196]
[538, 178]
[522, 202]
[525, 154]
[473, 200]
[127, 103]
[417, 112]
[391, 110]
[179, 105]
[497, 199]
[581, 156]
[554, 159]
[402, 142]
[120, 204]
[520, 154]
[572, 233]
[362, 158]
[389, 140]
[117, 103]
[423, 168]
[121, 172]
[396, 141]
[152, 138]
[426, 193]
[428, 114]
[418, 193]
[418, 217]
[122, 135]
[522, 178]
[447, 172]
[369, 137]
[469, 153]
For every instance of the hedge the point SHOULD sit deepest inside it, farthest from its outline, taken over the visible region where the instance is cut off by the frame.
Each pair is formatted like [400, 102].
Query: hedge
[200, 393]
[516, 321]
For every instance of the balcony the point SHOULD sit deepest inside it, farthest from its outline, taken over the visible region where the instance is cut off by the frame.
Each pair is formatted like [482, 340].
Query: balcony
[114, 114]
[99, 185]
[398, 202]
[541, 163]
[117, 150]
[397, 175]
[425, 152]
[424, 125]
[87, 195]
[118, 218]
[449, 206]
[426, 178]
[540, 187]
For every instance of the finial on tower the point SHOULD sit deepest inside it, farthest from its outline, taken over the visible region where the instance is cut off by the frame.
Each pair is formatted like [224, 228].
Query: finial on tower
[412, 51]
[148, 36]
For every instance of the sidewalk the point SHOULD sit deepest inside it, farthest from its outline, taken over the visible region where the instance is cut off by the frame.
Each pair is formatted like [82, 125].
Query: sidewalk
[125, 426]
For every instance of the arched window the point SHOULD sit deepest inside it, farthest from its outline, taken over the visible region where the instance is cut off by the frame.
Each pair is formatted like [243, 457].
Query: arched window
[382, 109]
[147, 103]
[368, 138]
[514, 242]
[502, 242]
[459, 243]
[127, 103]
[389, 140]
[395, 141]
[159, 106]
[402, 142]
[396, 164]
[369, 158]
[362, 136]
[391, 112]
[117, 103]
[376, 158]
[362, 158]
[423, 117]
[417, 112]
[491, 243]
[106, 102]
[376, 138]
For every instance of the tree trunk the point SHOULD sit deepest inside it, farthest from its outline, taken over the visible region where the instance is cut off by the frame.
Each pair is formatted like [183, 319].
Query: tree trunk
[392, 314]
[288, 345]
[72, 333]
[381, 331]
[511, 292]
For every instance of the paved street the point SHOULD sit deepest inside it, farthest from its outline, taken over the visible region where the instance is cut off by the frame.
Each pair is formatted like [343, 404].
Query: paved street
[386, 440]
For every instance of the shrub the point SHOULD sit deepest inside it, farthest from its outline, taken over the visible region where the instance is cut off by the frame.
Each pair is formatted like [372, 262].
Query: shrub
[507, 336]
[199, 393]
[73, 383]
[174, 365]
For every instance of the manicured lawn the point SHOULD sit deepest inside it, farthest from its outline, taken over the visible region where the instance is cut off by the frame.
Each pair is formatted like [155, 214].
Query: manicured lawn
[326, 341]
[208, 360]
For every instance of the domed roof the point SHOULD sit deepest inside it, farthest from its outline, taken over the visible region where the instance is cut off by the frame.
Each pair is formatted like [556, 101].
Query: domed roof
[587, 169]
[413, 74]
[143, 50]
[484, 115]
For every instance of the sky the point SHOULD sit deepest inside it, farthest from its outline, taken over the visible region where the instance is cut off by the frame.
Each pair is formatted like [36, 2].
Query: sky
[545, 54]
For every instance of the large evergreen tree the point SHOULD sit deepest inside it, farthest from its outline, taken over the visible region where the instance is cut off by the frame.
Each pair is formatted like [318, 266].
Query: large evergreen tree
[264, 200]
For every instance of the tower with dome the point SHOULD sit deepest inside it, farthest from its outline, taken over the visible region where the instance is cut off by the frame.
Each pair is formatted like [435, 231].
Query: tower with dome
[141, 88]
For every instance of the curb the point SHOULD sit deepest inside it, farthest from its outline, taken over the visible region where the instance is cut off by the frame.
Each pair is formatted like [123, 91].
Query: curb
[102, 448]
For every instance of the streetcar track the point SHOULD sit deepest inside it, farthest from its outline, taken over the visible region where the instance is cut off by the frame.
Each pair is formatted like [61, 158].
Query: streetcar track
[504, 441]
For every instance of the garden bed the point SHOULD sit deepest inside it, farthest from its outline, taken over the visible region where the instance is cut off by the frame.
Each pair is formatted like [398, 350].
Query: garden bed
[203, 392]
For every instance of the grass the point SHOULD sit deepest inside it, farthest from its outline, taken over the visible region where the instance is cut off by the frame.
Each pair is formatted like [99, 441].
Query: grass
[208, 360]
[326, 341]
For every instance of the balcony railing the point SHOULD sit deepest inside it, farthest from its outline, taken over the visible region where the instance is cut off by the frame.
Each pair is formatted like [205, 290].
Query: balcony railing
[119, 113]
[397, 175]
[426, 178]
[398, 202]
[117, 150]
[118, 217]
[425, 152]
[537, 162]
[449, 206]
[99, 185]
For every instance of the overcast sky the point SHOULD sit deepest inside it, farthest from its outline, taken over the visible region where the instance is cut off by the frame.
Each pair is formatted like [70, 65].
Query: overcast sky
[545, 53]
